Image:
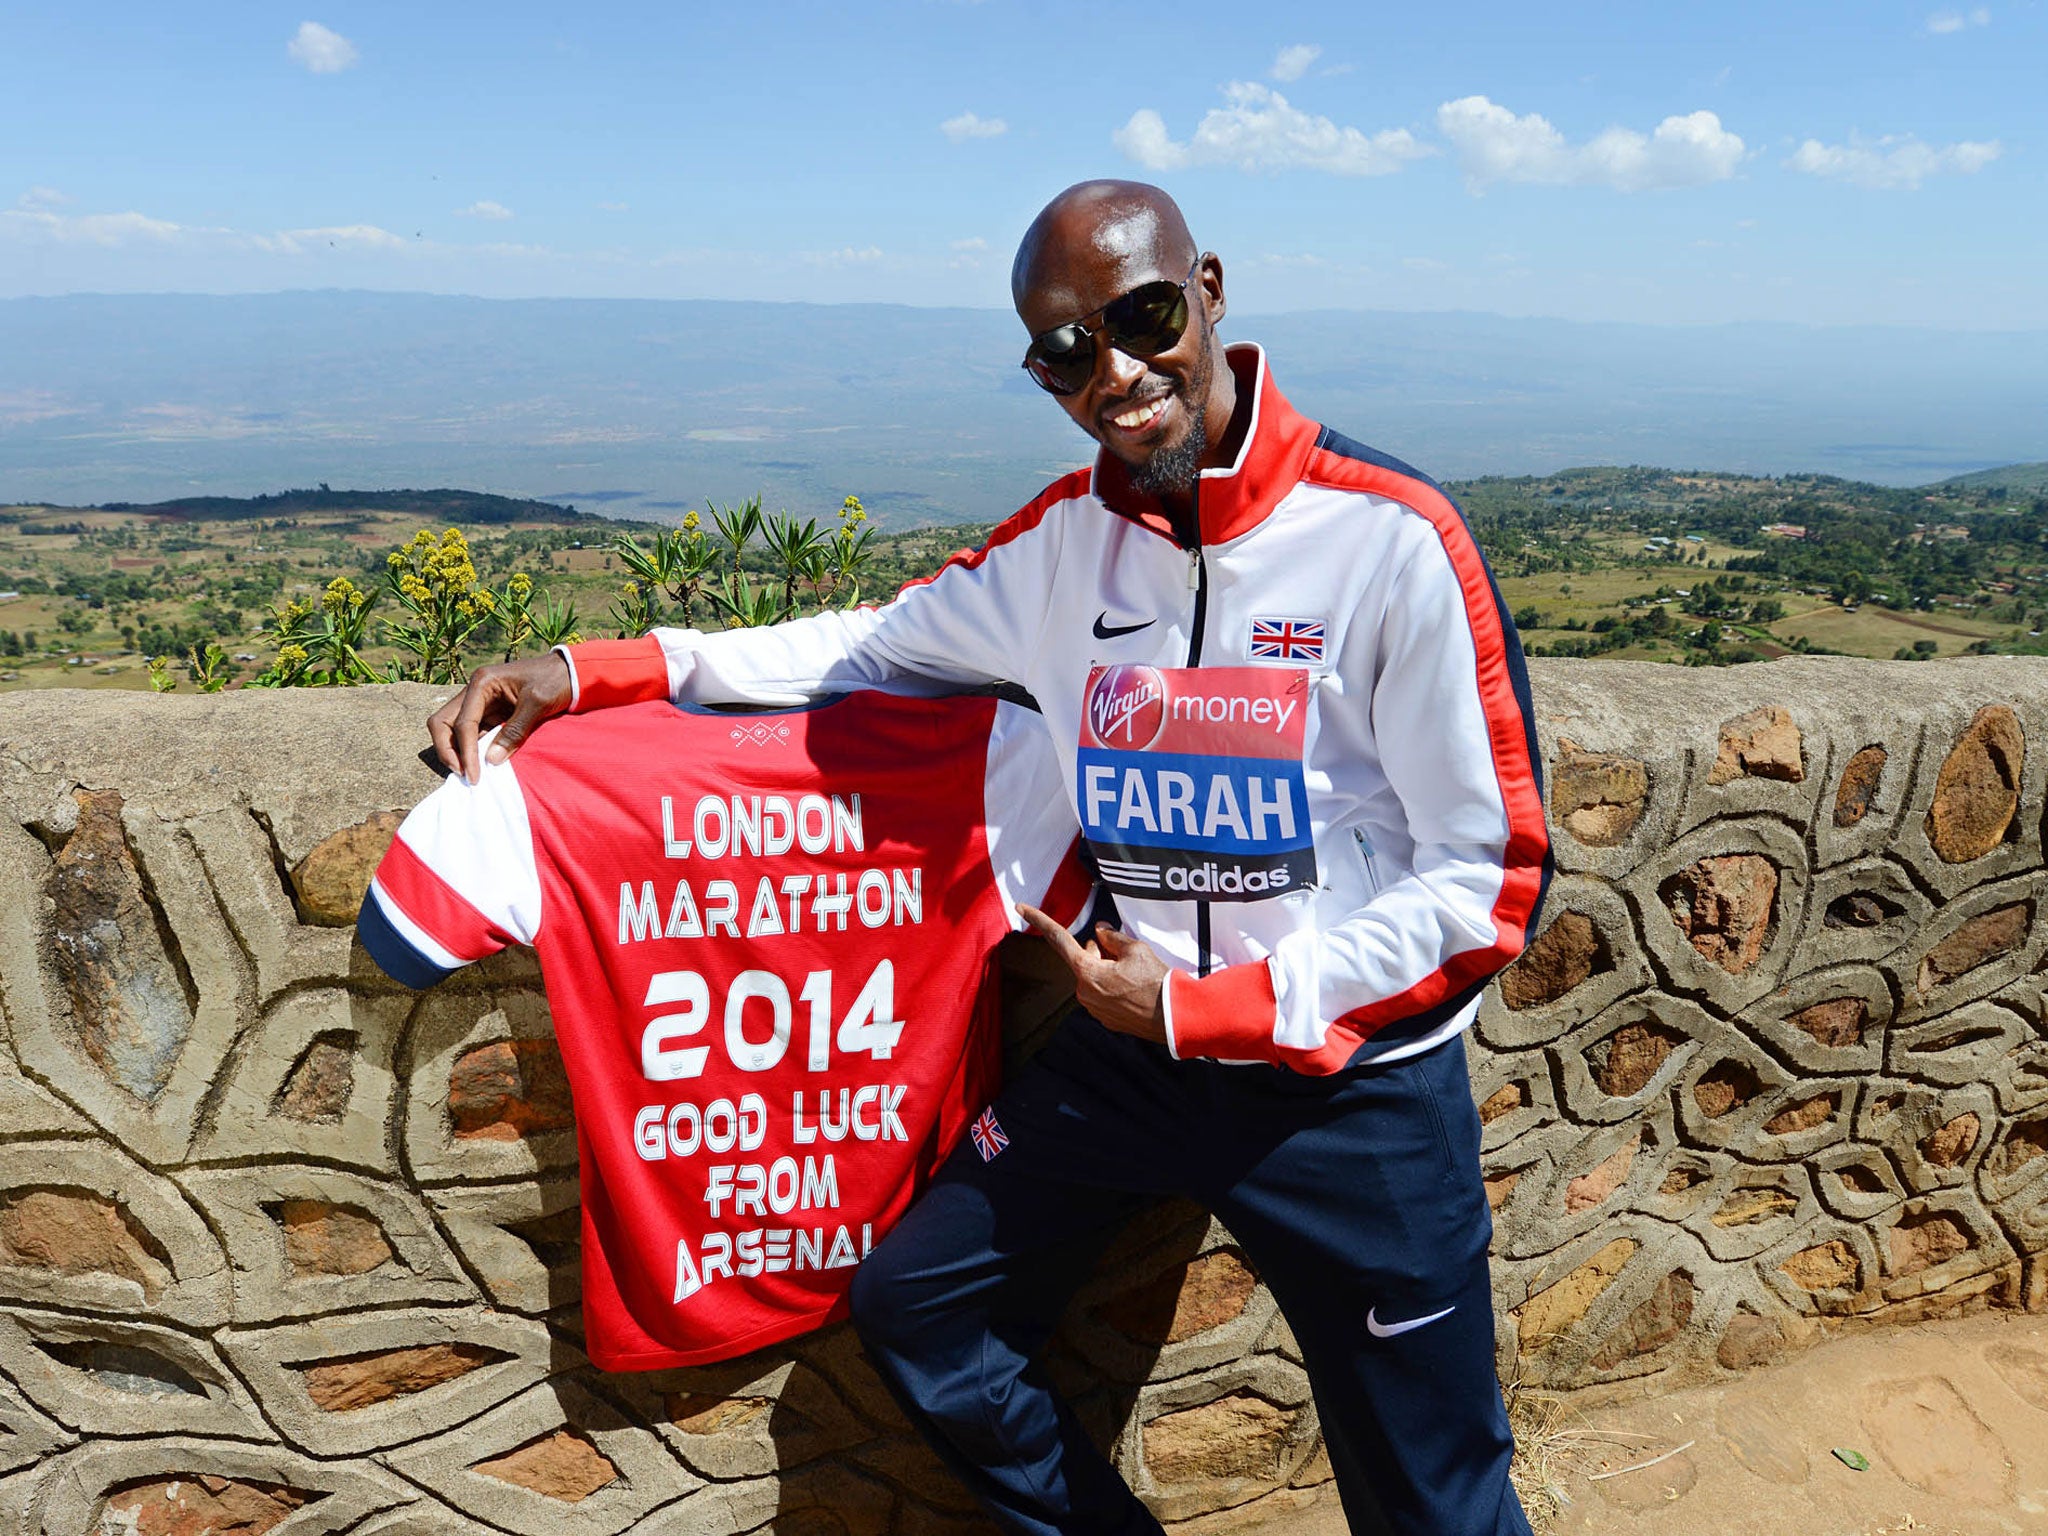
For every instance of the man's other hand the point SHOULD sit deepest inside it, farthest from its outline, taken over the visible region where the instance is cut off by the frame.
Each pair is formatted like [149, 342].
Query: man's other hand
[1119, 979]
[516, 694]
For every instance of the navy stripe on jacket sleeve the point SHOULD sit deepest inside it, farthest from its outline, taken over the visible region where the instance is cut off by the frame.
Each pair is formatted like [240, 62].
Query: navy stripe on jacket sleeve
[394, 956]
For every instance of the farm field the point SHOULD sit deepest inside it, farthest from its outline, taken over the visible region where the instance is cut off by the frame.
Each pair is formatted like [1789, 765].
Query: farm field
[1637, 563]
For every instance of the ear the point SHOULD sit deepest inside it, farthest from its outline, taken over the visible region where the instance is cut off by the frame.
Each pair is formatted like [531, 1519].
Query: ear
[1211, 279]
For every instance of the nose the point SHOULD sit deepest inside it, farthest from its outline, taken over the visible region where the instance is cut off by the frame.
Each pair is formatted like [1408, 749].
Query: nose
[1119, 371]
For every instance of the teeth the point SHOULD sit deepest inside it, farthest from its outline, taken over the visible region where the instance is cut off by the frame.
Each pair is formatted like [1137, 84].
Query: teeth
[1140, 416]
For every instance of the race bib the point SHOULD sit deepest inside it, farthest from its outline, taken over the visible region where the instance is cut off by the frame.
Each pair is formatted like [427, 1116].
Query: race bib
[1189, 781]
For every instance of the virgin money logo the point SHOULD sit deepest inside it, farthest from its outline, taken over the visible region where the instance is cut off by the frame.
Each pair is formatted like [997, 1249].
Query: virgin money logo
[1127, 707]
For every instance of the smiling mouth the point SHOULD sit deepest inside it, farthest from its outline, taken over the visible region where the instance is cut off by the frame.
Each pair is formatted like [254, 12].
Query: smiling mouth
[1139, 418]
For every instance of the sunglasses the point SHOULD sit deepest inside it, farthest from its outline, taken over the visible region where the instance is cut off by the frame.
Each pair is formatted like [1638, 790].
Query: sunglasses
[1142, 323]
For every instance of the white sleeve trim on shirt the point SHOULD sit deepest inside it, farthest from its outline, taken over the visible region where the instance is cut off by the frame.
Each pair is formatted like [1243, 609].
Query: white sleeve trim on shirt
[1024, 806]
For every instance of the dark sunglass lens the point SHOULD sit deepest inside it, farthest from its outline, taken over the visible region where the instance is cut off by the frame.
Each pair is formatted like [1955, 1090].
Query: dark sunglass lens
[1149, 319]
[1061, 360]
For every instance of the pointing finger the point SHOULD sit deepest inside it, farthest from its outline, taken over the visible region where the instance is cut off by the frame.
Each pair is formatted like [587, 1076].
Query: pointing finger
[1054, 934]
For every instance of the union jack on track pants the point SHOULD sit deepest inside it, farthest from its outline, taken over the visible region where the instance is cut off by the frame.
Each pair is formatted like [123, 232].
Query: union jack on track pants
[1356, 1196]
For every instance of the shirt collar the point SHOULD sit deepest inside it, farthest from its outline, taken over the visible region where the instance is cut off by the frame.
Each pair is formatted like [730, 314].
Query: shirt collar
[1236, 498]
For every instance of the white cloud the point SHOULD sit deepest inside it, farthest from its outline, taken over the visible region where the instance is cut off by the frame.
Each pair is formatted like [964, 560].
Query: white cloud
[1292, 62]
[1259, 131]
[484, 208]
[41, 198]
[360, 237]
[322, 51]
[970, 244]
[1943, 22]
[968, 126]
[612, 207]
[1896, 164]
[103, 229]
[845, 256]
[1493, 144]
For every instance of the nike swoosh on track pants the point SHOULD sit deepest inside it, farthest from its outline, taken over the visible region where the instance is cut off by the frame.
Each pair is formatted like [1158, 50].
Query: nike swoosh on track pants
[1355, 1196]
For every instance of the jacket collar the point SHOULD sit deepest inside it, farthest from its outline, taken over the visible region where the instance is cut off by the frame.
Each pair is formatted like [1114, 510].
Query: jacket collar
[1235, 499]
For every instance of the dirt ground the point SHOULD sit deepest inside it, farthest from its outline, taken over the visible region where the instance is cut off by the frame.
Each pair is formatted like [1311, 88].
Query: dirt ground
[1952, 1418]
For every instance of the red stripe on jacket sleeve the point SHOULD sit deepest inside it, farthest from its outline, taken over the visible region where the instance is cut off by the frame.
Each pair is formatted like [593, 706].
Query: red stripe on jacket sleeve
[435, 908]
[610, 672]
[1514, 766]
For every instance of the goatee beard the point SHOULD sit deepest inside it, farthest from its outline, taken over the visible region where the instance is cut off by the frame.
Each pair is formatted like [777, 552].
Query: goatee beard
[1172, 470]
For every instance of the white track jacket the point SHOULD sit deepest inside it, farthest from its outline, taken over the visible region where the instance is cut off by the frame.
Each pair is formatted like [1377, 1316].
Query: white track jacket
[1301, 749]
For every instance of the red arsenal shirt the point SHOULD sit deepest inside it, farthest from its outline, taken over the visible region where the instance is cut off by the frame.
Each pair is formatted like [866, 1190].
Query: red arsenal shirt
[766, 942]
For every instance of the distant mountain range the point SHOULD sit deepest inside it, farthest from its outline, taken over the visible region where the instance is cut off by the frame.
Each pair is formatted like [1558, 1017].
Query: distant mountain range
[643, 408]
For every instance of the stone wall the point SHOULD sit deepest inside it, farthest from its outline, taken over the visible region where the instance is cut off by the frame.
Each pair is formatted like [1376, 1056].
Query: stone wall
[284, 1247]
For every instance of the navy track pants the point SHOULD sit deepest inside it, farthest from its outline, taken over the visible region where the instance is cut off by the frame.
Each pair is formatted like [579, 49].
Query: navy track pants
[1358, 1199]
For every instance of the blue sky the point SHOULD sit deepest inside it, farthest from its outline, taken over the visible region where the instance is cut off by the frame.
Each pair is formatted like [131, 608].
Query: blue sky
[1844, 163]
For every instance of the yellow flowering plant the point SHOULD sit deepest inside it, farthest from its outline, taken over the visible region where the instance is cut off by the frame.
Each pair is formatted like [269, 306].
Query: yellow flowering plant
[435, 582]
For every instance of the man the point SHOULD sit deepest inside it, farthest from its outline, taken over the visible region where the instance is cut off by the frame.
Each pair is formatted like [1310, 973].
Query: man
[1296, 730]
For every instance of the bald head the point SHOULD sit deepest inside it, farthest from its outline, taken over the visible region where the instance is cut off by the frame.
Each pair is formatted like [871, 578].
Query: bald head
[1125, 223]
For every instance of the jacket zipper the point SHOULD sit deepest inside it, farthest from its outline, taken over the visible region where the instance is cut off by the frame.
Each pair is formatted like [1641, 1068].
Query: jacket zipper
[1198, 580]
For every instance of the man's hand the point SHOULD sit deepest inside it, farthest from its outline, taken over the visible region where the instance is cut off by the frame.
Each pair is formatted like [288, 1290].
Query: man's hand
[1117, 978]
[520, 694]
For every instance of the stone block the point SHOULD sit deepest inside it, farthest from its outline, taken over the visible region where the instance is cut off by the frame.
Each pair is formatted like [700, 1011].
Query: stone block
[1823, 1267]
[331, 881]
[485, 1098]
[1934, 1242]
[134, 1031]
[107, 1375]
[1766, 760]
[537, 1465]
[366, 1381]
[1936, 1138]
[1587, 1177]
[522, 1241]
[759, 1415]
[184, 1486]
[1220, 1438]
[1856, 1181]
[314, 1079]
[1584, 958]
[1828, 1020]
[1963, 824]
[1861, 911]
[1722, 908]
[1167, 1311]
[1727, 1093]
[1976, 801]
[304, 1240]
[1626, 1057]
[1975, 945]
[1691, 1183]
[1751, 1211]
[84, 1227]
[1512, 1093]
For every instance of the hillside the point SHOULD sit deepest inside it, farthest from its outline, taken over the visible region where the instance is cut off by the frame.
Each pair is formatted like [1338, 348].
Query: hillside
[439, 506]
[1698, 567]
[2017, 479]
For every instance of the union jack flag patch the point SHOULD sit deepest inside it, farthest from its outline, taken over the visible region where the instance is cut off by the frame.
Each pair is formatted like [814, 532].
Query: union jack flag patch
[988, 1136]
[1287, 639]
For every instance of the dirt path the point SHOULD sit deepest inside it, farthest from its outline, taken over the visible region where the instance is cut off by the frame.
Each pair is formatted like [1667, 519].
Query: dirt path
[1952, 1417]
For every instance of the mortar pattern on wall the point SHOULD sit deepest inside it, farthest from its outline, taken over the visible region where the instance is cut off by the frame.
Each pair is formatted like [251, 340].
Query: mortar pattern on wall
[283, 1245]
